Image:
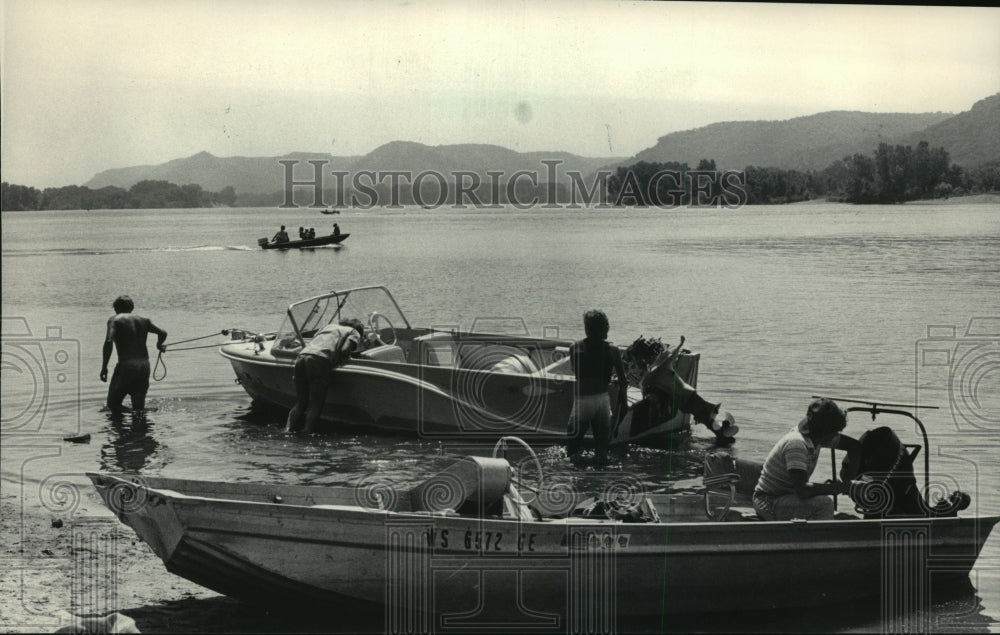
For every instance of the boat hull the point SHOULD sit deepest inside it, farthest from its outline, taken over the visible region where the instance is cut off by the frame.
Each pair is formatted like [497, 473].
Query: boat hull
[435, 401]
[305, 244]
[319, 544]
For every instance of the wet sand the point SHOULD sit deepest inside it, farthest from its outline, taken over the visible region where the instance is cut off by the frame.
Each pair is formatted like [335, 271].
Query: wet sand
[90, 564]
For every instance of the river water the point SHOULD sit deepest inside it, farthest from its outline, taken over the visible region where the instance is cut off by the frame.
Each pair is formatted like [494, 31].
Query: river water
[897, 303]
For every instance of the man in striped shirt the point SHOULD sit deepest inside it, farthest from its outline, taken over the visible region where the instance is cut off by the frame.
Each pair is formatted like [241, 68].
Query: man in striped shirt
[784, 491]
[314, 366]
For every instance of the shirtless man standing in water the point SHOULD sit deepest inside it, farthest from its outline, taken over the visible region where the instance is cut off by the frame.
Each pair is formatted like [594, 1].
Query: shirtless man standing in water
[127, 333]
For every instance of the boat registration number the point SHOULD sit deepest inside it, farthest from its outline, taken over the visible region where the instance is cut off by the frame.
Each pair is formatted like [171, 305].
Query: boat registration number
[481, 540]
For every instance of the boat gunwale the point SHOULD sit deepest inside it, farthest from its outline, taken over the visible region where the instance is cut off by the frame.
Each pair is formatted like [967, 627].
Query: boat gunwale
[359, 510]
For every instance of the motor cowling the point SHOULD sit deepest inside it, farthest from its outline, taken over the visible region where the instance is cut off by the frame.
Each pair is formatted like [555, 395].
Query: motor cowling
[884, 484]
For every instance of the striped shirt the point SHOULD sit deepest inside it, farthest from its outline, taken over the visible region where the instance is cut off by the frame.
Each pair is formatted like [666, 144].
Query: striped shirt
[794, 451]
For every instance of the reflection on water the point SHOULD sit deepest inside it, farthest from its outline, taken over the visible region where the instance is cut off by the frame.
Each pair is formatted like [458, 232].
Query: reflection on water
[781, 302]
[130, 445]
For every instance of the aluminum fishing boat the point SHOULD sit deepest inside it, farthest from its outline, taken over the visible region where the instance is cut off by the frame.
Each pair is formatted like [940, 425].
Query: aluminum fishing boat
[481, 539]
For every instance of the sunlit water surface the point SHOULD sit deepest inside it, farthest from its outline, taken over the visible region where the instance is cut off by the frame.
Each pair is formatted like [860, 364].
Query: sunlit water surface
[781, 302]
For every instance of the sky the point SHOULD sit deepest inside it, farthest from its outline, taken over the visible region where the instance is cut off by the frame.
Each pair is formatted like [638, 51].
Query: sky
[89, 85]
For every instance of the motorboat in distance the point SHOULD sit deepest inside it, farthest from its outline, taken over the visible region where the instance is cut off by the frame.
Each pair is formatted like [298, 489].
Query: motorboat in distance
[319, 241]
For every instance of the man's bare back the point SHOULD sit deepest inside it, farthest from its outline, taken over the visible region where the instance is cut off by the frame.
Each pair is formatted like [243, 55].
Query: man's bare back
[127, 334]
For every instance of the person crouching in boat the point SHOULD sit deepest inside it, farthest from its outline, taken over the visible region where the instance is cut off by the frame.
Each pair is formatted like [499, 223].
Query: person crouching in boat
[784, 491]
[593, 359]
[329, 348]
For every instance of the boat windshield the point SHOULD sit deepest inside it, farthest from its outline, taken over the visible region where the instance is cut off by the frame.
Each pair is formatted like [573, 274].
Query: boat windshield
[305, 318]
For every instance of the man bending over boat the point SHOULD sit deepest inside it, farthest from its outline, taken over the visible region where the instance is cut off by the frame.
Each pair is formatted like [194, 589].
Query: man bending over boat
[784, 491]
[593, 359]
[127, 333]
[314, 366]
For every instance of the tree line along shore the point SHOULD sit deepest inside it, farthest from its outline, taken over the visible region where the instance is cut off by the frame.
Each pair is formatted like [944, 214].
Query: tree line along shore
[891, 174]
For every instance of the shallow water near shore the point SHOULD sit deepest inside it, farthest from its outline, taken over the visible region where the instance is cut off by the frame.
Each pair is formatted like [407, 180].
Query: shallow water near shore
[899, 303]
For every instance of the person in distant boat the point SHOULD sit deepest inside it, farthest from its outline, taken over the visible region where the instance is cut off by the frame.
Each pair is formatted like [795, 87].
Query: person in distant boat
[336, 229]
[302, 233]
[783, 491]
[127, 334]
[281, 236]
[593, 359]
[311, 233]
[313, 374]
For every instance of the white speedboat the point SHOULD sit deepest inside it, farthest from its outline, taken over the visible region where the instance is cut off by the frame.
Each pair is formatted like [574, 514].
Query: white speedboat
[446, 382]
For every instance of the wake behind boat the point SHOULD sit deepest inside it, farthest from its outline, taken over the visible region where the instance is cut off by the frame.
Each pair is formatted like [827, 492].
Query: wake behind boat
[319, 241]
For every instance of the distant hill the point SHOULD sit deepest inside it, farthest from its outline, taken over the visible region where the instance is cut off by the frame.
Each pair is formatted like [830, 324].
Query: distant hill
[971, 138]
[478, 158]
[803, 143]
[814, 142]
[264, 175]
[212, 173]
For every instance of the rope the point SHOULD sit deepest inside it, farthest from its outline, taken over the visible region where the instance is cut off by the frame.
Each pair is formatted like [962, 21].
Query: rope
[159, 358]
[222, 332]
[159, 362]
[193, 348]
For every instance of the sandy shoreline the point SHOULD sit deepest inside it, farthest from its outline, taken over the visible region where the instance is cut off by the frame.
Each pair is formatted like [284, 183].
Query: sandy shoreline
[91, 564]
[991, 199]
[88, 565]
[971, 199]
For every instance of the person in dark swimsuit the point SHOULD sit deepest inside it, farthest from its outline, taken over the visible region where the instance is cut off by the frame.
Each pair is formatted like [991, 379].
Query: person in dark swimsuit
[593, 359]
[127, 334]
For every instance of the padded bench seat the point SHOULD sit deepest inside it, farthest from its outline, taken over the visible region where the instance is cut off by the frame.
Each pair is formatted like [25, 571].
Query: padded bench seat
[384, 353]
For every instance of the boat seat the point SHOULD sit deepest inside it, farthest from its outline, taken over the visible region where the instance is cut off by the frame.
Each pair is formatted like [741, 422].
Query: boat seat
[724, 478]
[286, 346]
[473, 486]
[497, 358]
[435, 349]
[384, 353]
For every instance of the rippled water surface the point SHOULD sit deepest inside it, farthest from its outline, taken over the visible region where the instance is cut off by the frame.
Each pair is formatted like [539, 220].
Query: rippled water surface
[781, 302]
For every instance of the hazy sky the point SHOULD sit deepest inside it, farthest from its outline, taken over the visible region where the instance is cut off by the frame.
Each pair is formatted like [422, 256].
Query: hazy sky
[96, 84]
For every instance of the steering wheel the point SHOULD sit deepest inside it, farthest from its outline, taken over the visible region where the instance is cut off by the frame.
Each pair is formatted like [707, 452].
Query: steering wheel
[501, 446]
[373, 321]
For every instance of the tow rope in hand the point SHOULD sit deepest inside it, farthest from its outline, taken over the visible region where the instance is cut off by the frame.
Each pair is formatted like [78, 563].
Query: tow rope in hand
[159, 357]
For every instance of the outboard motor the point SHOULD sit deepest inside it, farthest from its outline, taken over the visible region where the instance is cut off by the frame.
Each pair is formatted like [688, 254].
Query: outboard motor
[653, 369]
[885, 485]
